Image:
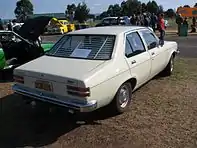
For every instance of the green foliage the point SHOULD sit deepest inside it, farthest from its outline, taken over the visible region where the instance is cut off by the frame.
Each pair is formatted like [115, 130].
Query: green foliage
[129, 7]
[152, 7]
[114, 10]
[170, 13]
[124, 8]
[144, 7]
[23, 9]
[82, 12]
[70, 11]
[103, 15]
[161, 9]
[187, 6]
[134, 6]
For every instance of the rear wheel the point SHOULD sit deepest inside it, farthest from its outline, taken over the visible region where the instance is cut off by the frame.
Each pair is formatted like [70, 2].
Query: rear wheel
[169, 68]
[123, 98]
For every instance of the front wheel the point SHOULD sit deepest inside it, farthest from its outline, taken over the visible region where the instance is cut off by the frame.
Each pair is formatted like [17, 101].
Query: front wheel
[122, 98]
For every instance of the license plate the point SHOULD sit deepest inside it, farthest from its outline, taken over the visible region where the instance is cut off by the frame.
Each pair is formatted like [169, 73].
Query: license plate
[44, 85]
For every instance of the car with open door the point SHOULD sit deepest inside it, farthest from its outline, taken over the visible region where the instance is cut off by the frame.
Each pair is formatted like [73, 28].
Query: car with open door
[96, 67]
[17, 48]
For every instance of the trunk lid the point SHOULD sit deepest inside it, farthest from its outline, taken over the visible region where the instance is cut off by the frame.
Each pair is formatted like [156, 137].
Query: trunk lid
[34, 27]
[59, 69]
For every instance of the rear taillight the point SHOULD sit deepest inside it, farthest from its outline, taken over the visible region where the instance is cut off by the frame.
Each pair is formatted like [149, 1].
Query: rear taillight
[78, 91]
[18, 79]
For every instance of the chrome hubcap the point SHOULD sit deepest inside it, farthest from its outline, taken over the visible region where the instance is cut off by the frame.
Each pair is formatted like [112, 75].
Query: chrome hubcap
[124, 97]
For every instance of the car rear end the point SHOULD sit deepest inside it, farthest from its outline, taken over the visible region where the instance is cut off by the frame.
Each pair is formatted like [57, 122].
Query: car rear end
[70, 95]
[60, 76]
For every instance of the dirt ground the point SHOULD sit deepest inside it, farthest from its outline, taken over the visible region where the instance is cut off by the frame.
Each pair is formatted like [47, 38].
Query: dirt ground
[163, 114]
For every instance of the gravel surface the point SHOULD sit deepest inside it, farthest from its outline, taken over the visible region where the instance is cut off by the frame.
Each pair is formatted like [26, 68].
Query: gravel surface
[162, 114]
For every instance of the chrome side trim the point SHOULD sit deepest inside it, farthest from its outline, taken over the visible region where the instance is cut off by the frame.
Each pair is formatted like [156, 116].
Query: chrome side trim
[88, 107]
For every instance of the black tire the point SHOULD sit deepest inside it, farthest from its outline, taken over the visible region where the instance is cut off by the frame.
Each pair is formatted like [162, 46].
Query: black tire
[119, 105]
[169, 68]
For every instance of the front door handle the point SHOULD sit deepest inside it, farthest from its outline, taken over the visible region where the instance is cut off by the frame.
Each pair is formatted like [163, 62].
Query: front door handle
[153, 53]
[133, 62]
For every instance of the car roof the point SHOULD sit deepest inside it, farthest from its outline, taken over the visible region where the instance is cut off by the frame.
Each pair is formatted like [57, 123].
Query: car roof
[110, 18]
[107, 30]
[5, 31]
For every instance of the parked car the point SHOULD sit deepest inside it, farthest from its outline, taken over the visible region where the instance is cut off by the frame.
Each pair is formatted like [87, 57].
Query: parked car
[59, 26]
[110, 21]
[91, 68]
[17, 48]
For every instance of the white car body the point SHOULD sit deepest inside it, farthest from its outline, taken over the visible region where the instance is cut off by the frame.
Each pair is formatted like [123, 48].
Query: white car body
[100, 78]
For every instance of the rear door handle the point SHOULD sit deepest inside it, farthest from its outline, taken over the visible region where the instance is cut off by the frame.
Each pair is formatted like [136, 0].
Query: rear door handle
[133, 62]
[153, 53]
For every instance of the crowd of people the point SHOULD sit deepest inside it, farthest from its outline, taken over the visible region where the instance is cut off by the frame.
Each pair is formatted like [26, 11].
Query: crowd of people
[146, 19]
[156, 22]
[184, 21]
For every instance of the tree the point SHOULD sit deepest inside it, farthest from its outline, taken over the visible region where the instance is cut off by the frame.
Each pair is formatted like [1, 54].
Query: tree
[24, 8]
[170, 13]
[82, 12]
[114, 10]
[134, 6]
[110, 10]
[144, 7]
[70, 11]
[161, 9]
[124, 8]
[187, 6]
[195, 5]
[103, 15]
[152, 7]
[117, 10]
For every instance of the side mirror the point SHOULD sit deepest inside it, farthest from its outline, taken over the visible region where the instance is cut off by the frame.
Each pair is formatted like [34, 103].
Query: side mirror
[153, 45]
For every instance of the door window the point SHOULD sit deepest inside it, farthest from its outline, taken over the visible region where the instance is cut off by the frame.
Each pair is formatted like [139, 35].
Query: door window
[134, 45]
[150, 39]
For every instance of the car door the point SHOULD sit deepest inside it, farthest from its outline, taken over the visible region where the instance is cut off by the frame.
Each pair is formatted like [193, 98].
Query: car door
[137, 57]
[157, 53]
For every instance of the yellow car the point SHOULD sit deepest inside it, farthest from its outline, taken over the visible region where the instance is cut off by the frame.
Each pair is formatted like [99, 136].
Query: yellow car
[70, 27]
[60, 26]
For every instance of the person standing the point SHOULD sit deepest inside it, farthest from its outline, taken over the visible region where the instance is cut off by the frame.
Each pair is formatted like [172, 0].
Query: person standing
[10, 26]
[133, 20]
[161, 25]
[153, 22]
[193, 26]
[138, 20]
[179, 21]
[1, 25]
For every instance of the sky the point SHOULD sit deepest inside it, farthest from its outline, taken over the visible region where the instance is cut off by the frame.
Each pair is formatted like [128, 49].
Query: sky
[96, 6]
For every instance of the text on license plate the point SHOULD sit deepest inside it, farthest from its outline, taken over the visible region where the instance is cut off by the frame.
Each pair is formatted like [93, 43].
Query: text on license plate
[44, 85]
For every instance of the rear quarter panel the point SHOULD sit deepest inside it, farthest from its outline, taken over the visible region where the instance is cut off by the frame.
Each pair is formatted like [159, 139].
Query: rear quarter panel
[105, 80]
[171, 47]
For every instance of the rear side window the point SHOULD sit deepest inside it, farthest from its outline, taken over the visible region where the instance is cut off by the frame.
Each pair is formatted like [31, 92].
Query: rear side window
[134, 45]
[98, 47]
[149, 37]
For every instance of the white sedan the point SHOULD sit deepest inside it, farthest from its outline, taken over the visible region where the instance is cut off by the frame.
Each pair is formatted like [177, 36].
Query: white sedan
[91, 68]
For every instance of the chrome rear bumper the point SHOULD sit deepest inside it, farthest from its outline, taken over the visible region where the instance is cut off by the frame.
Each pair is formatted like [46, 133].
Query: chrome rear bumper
[88, 107]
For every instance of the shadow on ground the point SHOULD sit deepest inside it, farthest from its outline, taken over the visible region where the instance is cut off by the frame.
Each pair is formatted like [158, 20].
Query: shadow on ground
[22, 126]
[6, 75]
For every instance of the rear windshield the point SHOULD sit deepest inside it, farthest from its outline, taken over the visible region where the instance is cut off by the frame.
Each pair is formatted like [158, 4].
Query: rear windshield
[93, 47]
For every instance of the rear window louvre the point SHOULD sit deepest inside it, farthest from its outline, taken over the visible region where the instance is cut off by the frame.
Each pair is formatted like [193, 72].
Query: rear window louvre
[99, 47]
